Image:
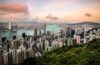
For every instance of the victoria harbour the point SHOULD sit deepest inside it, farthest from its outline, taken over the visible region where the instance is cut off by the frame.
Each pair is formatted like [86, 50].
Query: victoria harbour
[9, 34]
[49, 32]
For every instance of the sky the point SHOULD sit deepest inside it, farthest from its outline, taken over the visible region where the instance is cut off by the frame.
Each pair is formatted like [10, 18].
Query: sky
[50, 10]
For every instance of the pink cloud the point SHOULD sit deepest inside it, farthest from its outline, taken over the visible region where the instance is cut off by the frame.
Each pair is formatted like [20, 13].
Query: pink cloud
[13, 10]
[51, 17]
[14, 7]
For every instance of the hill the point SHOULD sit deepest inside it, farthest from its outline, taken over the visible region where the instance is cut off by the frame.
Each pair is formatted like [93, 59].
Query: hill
[83, 54]
[86, 23]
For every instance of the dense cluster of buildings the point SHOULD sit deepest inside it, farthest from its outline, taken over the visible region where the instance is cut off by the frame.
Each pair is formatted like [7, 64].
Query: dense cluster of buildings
[15, 51]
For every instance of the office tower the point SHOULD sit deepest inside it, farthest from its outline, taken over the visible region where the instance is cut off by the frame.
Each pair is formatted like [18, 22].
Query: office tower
[18, 56]
[61, 32]
[26, 44]
[10, 56]
[69, 29]
[72, 33]
[40, 48]
[46, 45]
[43, 41]
[8, 45]
[66, 41]
[60, 43]
[78, 39]
[15, 44]
[69, 41]
[40, 40]
[3, 40]
[84, 34]
[35, 33]
[1, 59]
[40, 33]
[1, 50]
[14, 37]
[31, 39]
[21, 43]
[44, 29]
[48, 36]
[23, 35]
[5, 57]
[50, 42]
[13, 56]
[52, 36]
[48, 33]
[23, 54]
[9, 26]
[54, 44]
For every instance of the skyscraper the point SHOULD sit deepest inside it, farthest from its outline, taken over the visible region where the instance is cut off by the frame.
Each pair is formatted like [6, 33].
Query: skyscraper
[35, 33]
[9, 26]
[44, 29]
[1, 59]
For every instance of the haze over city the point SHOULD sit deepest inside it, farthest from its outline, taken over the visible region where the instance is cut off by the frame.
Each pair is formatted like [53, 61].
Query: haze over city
[50, 10]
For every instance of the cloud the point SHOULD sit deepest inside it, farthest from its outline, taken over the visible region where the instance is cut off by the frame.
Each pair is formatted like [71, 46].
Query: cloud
[88, 14]
[13, 10]
[51, 17]
[14, 7]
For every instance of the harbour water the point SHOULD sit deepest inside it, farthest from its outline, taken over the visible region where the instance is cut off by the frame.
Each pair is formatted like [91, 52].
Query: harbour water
[52, 28]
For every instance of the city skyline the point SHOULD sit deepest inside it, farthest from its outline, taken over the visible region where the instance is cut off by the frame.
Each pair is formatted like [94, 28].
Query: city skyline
[50, 10]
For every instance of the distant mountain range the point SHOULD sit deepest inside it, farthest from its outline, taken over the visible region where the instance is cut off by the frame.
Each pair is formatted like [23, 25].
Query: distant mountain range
[90, 23]
[87, 23]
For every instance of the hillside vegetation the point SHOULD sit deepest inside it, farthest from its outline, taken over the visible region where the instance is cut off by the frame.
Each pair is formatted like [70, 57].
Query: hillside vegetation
[83, 54]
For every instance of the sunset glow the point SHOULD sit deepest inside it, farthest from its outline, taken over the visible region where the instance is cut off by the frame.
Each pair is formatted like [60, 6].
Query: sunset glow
[51, 10]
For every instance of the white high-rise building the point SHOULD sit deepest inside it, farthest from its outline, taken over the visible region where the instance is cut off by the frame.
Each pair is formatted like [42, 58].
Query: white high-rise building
[9, 26]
